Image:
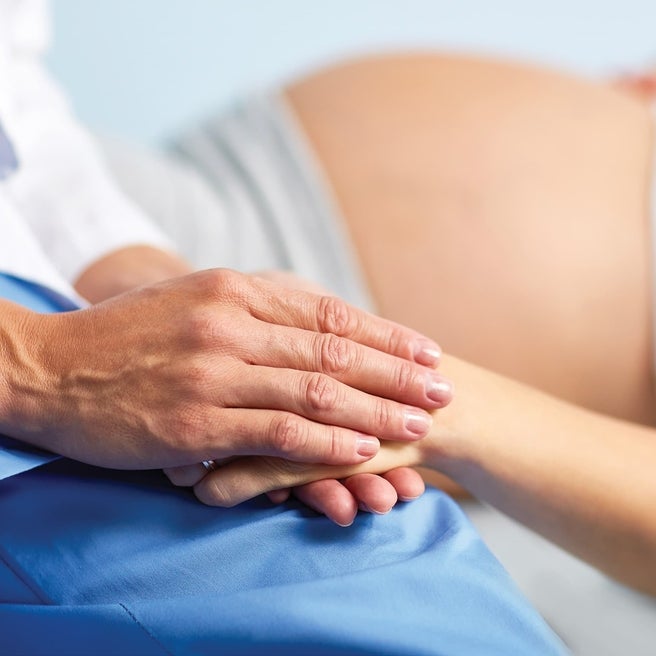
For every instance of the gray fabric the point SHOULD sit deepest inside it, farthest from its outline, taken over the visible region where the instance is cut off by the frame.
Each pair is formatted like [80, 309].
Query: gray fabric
[281, 212]
[243, 191]
[177, 198]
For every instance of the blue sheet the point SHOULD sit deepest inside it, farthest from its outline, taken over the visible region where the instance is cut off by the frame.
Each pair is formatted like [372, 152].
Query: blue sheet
[123, 562]
[95, 561]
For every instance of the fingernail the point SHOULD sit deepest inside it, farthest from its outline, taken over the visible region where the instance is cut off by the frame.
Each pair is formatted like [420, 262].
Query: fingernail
[417, 422]
[438, 389]
[408, 499]
[426, 352]
[365, 508]
[367, 446]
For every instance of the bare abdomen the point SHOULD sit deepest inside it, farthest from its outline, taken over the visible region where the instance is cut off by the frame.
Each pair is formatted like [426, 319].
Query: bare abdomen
[502, 210]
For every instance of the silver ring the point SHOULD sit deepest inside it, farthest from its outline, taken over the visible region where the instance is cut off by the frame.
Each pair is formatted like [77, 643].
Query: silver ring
[210, 465]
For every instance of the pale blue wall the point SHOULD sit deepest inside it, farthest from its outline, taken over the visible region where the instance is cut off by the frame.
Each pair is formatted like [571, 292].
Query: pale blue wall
[143, 67]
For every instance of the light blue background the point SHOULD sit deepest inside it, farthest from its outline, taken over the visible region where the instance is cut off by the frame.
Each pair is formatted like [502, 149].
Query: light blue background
[142, 68]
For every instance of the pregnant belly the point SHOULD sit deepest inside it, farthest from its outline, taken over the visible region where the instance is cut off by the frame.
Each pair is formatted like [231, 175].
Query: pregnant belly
[501, 209]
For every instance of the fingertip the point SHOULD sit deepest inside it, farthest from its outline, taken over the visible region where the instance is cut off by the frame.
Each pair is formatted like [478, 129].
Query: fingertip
[439, 390]
[344, 520]
[417, 422]
[448, 392]
[373, 493]
[381, 510]
[427, 352]
[408, 498]
[186, 475]
[342, 510]
[278, 496]
[367, 446]
[407, 482]
[330, 498]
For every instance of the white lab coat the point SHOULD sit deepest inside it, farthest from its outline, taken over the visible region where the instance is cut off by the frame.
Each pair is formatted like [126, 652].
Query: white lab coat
[61, 210]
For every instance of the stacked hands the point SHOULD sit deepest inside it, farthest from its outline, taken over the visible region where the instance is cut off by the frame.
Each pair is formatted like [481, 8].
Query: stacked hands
[278, 385]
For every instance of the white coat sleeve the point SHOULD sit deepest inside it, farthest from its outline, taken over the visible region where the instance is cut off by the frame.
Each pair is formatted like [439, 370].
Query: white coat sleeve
[62, 187]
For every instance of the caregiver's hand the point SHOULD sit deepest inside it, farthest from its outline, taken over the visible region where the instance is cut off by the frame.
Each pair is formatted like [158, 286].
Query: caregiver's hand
[213, 365]
[337, 499]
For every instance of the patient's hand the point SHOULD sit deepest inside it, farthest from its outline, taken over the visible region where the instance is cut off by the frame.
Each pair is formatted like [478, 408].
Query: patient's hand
[337, 498]
[338, 492]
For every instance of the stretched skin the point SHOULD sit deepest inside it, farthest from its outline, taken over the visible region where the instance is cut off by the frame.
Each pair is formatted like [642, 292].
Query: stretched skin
[503, 209]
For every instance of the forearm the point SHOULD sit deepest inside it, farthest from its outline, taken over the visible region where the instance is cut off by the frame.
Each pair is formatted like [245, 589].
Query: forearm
[585, 481]
[127, 268]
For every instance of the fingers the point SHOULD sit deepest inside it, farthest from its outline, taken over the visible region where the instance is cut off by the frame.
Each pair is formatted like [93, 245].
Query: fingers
[329, 497]
[189, 475]
[339, 501]
[186, 476]
[247, 477]
[355, 365]
[373, 493]
[368, 492]
[279, 496]
[323, 399]
[241, 432]
[407, 482]
[329, 314]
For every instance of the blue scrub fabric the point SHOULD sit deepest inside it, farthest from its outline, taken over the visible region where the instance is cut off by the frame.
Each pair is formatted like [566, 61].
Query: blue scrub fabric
[97, 561]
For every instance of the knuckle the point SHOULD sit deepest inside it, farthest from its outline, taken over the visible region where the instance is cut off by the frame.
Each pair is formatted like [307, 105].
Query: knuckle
[215, 493]
[288, 434]
[223, 280]
[382, 414]
[227, 285]
[281, 473]
[336, 354]
[335, 316]
[335, 444]
[396, 342]
[320, 393]
[405, 376]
